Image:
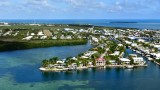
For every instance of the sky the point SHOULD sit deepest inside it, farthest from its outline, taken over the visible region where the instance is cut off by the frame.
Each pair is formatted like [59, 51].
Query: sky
[79, 9]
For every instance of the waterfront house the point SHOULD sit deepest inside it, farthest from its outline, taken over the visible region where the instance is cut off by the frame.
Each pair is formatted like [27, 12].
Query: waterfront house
[133, 55]
[43, 37]
[125, 61]
[128, 42]
[157, 55]
[134, 45]
[138, 60]
[141, 40]
[100, 62]
[131, 37]
[112, 62]
[28, 38]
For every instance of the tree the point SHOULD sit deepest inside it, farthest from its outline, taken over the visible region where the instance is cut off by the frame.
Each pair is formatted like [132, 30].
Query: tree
[45, 63]
[132, 61]
[54, 60]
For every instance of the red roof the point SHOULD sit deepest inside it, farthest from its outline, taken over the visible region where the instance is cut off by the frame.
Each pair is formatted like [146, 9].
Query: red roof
[100, 59]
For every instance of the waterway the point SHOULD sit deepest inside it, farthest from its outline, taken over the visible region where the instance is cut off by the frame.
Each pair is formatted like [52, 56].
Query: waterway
[19, 71]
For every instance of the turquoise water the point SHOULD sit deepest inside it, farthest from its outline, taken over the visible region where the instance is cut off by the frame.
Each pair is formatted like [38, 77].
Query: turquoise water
[19, 71]
[141, 24]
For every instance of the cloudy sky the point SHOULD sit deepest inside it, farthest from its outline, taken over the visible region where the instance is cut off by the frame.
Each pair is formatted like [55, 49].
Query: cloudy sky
[79, 9]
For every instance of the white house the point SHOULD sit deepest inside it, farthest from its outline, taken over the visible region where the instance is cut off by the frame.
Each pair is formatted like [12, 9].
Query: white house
[141, 40]
[54, 37]
[28, 38]
[32, 34]
[132, 37]
[116, 53]
[43, 37]
[134, 45]
[68, 37]
[40, 33]
[125, 61]
[139, 60]
[113, 62]
[95, 39]
[128, 42]
[120, 45]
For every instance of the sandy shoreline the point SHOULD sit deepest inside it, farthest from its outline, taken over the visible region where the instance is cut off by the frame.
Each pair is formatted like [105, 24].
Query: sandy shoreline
[80, 68]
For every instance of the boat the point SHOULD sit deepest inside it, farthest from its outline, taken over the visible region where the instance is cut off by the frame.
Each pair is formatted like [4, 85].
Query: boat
[129, 66]
[150, 59]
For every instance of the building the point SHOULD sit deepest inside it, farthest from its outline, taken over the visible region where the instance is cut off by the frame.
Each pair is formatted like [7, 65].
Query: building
[113, 62]
[125, 61]
[28, 38]
[138, 60]
[4, 24]
[100, 62]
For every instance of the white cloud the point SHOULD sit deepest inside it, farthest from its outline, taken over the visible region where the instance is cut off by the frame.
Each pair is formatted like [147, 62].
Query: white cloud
[39, 5]
[4, 3]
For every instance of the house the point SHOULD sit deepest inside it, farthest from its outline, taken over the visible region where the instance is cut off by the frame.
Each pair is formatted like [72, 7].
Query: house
[95, 39]
[7, 33]
[125, 61]
[40, 33]
[32, 34]
[89, 53]
[68, 29]
[100, 62]
[4, 24]
[43, 37]
[68, 37]
[131, 37]
[120, 45]
[28, 38]
[113, 62]
[54, 37]
[141, 40]
[116, 53]
[157, 56]
[62, 37]
[134, 45]
[128, 42]
[138, 60]
[133, 55]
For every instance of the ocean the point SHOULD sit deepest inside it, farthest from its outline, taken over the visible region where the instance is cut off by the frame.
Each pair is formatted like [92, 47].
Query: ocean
[121, 23]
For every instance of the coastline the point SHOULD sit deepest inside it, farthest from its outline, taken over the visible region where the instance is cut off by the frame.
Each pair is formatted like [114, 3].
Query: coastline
[81, 68]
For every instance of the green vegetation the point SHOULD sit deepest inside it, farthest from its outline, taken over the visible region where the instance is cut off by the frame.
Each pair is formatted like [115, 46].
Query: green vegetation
[18, 45]
[46, 62]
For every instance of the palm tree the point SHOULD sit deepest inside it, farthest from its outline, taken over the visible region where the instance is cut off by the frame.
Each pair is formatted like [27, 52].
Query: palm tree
[45, 63]
[54, 60]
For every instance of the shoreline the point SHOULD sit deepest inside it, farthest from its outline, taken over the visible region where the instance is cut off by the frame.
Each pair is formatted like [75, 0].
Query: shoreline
[81, 68]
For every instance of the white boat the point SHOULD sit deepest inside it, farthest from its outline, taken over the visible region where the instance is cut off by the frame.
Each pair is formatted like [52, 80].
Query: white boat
[150, 59]
[129, 66]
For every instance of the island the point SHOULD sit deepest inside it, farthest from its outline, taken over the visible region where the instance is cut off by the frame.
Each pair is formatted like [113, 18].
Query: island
[109, 44]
